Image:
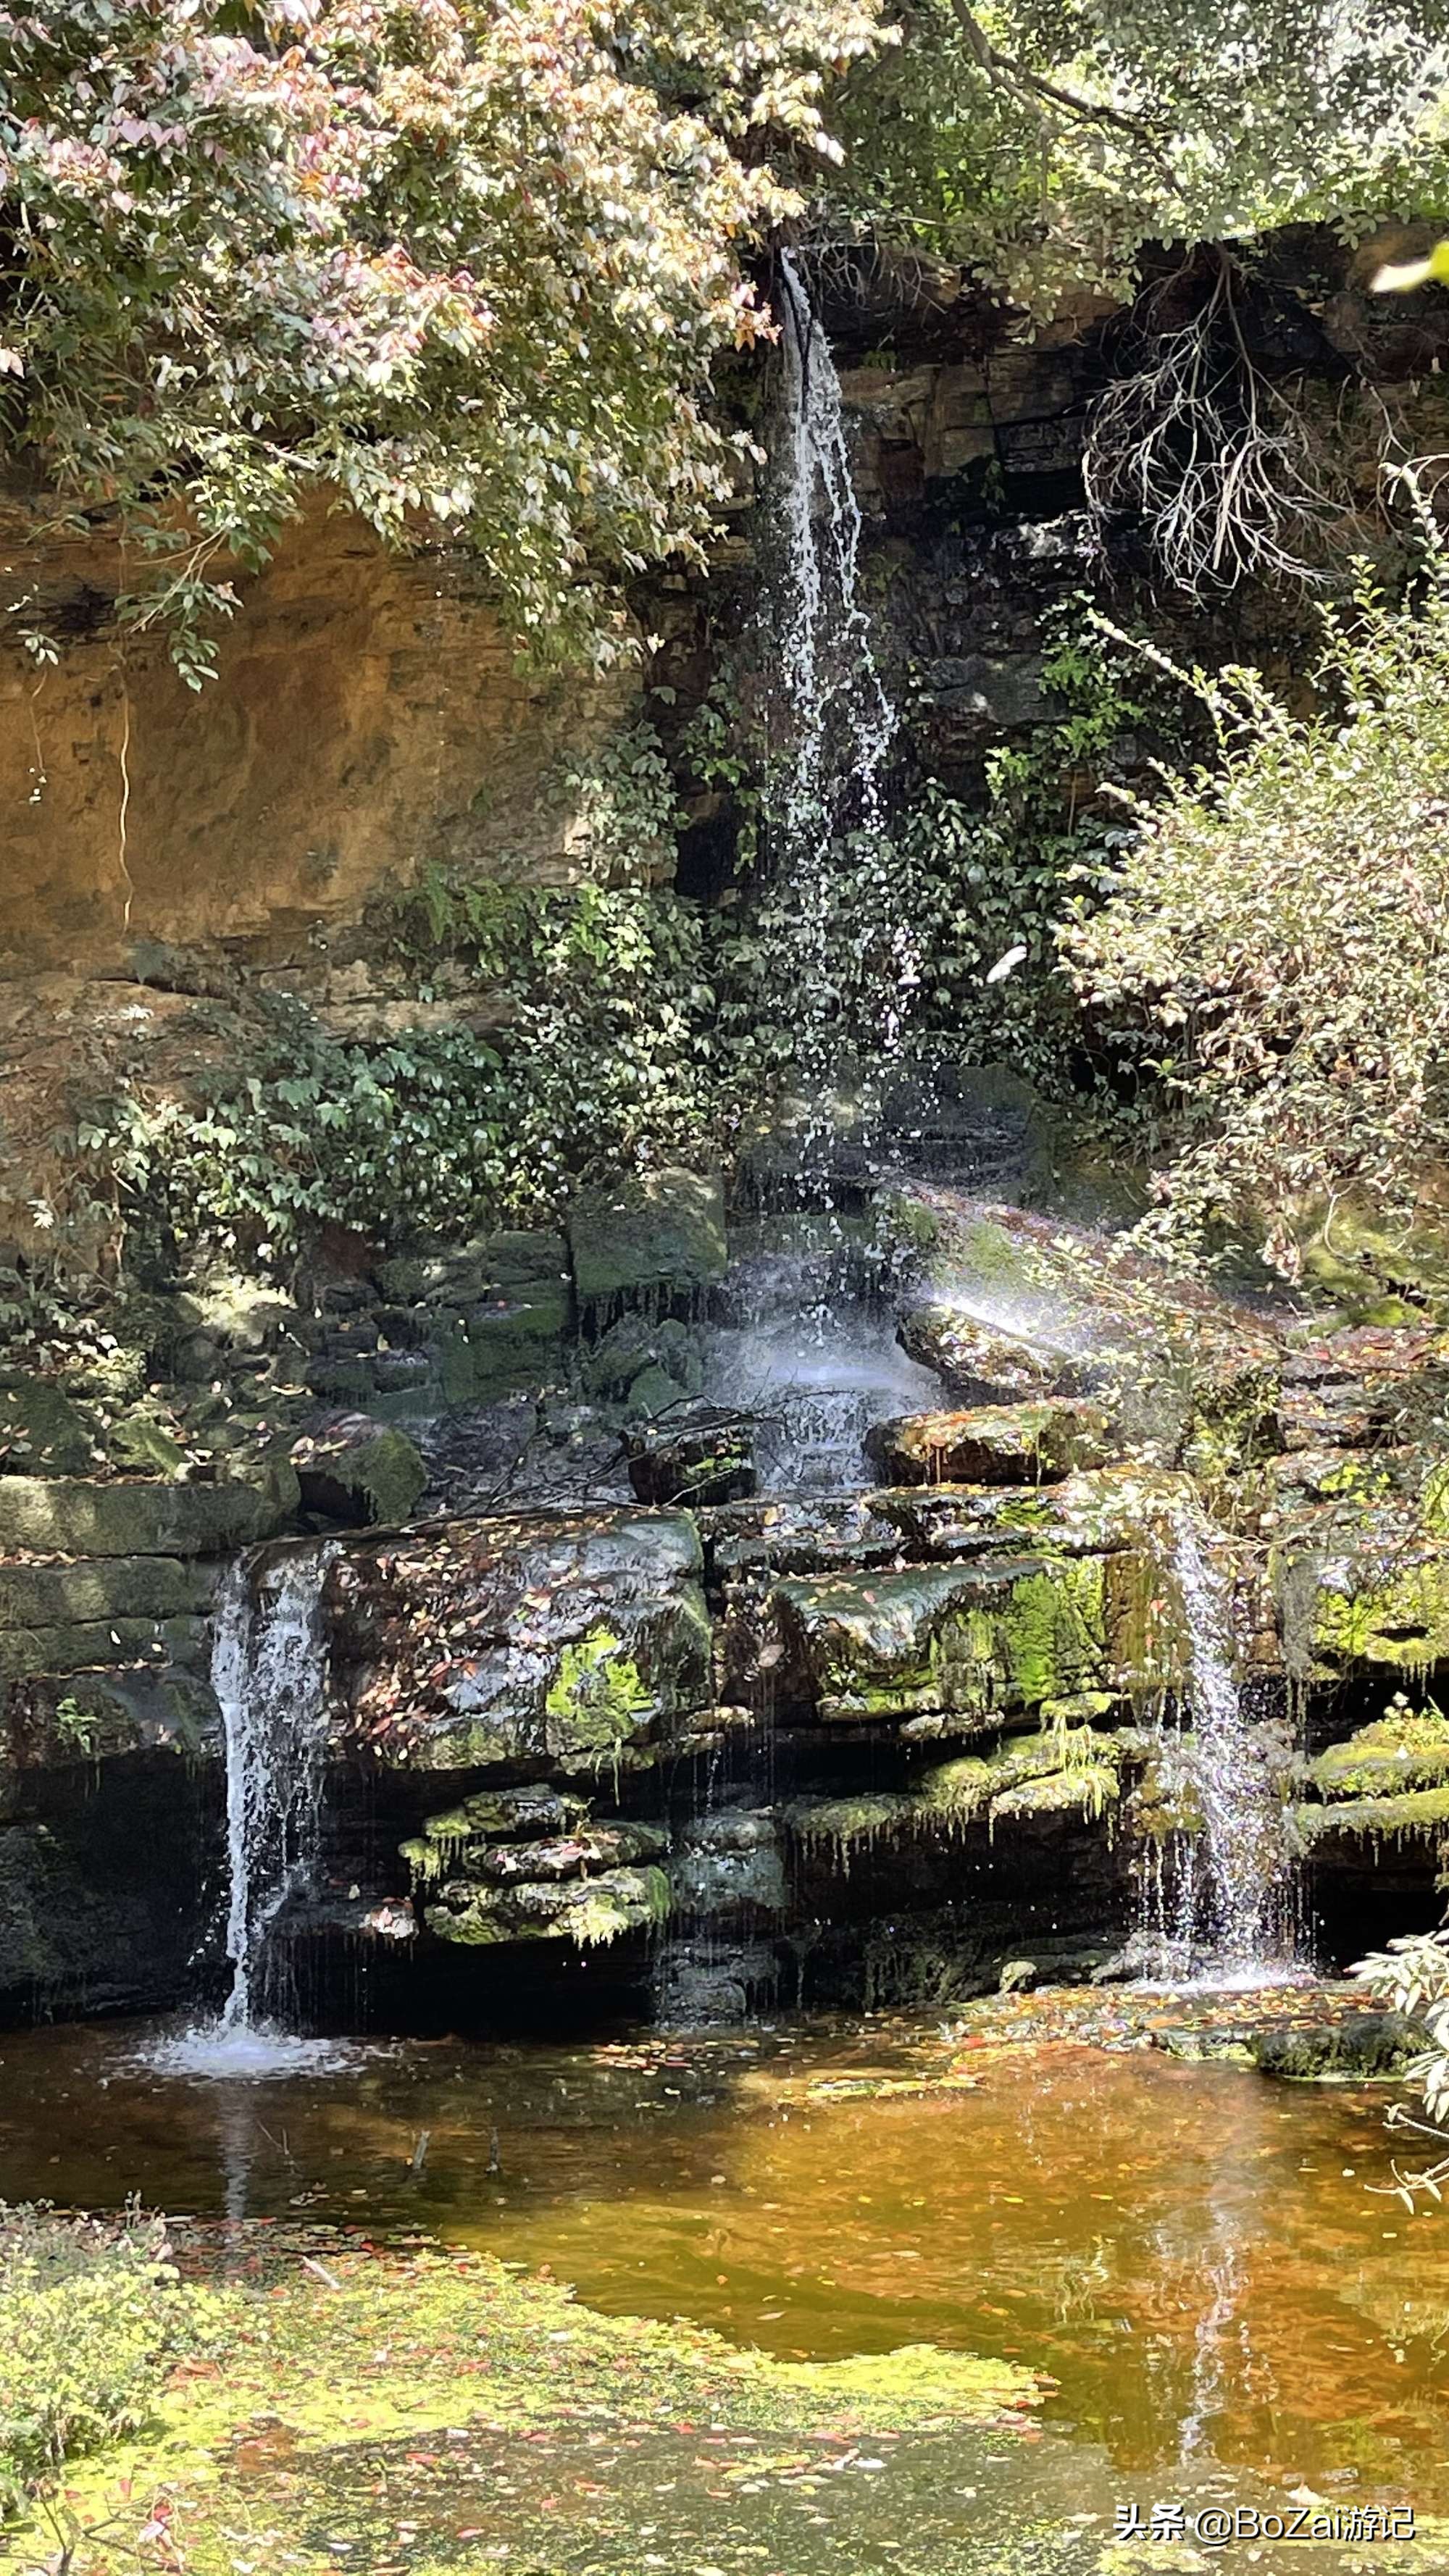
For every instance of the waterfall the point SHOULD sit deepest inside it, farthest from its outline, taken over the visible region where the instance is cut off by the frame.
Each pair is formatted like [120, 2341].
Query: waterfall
[1234, 1894]
[269, 1673]
[839, 726]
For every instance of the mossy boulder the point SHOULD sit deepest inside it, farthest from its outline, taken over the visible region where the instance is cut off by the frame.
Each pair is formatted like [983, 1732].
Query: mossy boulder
[501, 1343]
[590, 1912]
[73, 1516]
[96, 1715]
[1406, 1748]
[1379, 1603]
[965, 1641]
[980, 1362]
[639, 1342]
[1362, 2045]
[42, 1431]
[92, 1645]
[581, 1641]
[660, 1237]
[1411, 1815]
[103, 1588]
[705, 1456]
[360, 1474]
[1011, 1444]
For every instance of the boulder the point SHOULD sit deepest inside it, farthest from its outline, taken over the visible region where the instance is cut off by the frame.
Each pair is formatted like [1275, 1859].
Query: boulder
[91, 1646]
[654, 1392]
[103, 1588]
[94, 1716]
[591, 1912]
[978, 1361]
[660, 1236]
[1014, 1444]
[1362, 2045]
[637, 1342]
[579, 1640]
[72, 1516]
[706, 1457]
[359, 1474]
[969, 1641]
[42, 1432]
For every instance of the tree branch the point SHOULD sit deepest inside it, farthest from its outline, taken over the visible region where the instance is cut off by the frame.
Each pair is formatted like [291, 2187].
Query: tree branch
[1037, 86]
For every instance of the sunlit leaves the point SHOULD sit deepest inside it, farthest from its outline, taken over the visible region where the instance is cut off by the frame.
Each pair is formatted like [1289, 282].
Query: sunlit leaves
[467, 265]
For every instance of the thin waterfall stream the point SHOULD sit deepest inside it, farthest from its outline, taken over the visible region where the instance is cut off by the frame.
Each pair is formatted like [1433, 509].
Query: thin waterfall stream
[1232, 1921]
[840, 724]
[269, 1673]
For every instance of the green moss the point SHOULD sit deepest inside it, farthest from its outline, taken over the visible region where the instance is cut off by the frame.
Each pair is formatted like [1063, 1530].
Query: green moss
[596, 1701]
[1419, 1813]
[591, 1912]
[359, 2358]
[1401, 1620]
[1404, 1749]
[1084, 1788]
[1054, 1630]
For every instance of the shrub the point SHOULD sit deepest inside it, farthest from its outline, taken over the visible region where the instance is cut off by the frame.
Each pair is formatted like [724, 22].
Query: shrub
[94, 2317]
[1272, 946]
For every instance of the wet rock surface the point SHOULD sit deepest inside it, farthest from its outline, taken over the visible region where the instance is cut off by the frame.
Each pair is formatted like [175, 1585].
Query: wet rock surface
[874, 1738]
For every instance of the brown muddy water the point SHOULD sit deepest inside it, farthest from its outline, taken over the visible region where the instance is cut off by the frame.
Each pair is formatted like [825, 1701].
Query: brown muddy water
[1197, 2255]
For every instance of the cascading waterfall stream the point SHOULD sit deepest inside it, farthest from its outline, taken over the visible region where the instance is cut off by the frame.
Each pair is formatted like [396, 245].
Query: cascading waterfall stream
[269, 1673]
[1234, 1895]
[840, 725]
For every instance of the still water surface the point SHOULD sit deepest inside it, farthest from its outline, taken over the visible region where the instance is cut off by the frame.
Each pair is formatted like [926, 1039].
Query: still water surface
[1191, 2251]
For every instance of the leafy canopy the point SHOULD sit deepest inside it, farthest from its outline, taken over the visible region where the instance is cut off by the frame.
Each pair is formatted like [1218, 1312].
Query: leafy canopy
[1048, 142]
[463, 263]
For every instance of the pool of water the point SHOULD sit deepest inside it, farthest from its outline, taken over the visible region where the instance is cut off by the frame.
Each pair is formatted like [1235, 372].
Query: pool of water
[1196, 2255]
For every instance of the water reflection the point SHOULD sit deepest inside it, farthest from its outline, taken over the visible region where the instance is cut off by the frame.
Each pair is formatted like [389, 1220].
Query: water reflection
[1190, 2250]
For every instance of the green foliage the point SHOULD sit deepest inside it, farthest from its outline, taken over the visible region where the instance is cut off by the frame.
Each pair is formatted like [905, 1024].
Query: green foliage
[1045, 145]
[465, 266]
[94, 2318]
[1272, 952]
[603, 1060]
[75, 1726]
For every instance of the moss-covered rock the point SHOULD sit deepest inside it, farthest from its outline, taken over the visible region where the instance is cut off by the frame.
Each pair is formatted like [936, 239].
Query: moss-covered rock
[1380, 1603]
[142, 1444]
[660, 1236]
[592, 1912]
[1406, 1748]
[980, 1362]
[1361, 2045]
[90, 1646]
[703, 1456]
[359, 1474]
[1414, 1815]
[966, 1640]
[72, 1516]
[1012, 1444]
[103, 1588]
[43, 1432]
[581, 1641]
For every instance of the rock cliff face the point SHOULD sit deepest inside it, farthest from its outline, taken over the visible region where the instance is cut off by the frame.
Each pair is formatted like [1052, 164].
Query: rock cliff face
[879, 1741]
[623, 1683]
[367, 716]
